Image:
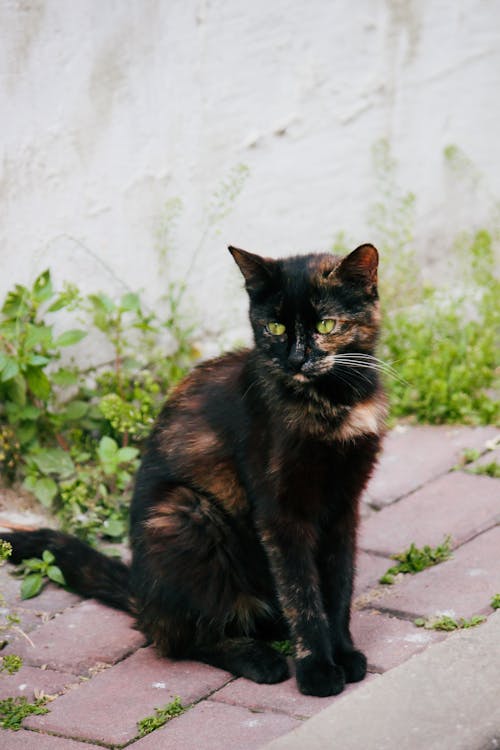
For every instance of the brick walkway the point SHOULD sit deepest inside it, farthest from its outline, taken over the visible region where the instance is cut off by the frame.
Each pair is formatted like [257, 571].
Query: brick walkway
[105, 679]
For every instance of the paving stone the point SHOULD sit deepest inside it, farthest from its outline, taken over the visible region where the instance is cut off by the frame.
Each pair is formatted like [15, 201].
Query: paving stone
[51, 600]
[461, 587]
[30, 679]
[24, 740]
[107, 708]
[388, 641]
[413, 456]
[457, 503]
[80, 638]
[369, 568]
[211, 726]
[284, 697]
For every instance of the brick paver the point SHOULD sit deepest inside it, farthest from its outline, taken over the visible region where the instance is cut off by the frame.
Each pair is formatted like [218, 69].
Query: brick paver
[388, 641]
[462, 586]
[85, 635]
[23, 740]
[212, 726]
[458, 504]
[31, 680]
[107, 708]
[107, 680]
[414, 455]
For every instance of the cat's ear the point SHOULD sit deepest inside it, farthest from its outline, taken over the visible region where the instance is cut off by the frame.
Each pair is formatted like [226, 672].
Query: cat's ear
[258, 272]
[360, 266]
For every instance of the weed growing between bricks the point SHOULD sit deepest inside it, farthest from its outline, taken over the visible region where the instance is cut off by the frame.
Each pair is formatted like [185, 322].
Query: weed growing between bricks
[161, 717]
[414, 560]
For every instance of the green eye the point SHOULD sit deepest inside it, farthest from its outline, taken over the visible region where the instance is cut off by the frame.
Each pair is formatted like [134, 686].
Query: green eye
[277, 329]
[325, 326]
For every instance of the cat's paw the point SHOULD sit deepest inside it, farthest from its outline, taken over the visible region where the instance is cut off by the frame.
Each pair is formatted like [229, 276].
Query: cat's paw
[353, 663]
[319, 678]
[265, 665]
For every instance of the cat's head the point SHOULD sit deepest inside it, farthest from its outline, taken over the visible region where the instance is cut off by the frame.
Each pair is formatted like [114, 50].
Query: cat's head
[313, 316]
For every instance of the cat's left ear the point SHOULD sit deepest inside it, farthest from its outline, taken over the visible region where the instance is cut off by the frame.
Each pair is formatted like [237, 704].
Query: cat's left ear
[257, 271]
[360, 266]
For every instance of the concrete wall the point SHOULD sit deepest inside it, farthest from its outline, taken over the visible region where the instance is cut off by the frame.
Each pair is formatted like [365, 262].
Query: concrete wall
[121, 119]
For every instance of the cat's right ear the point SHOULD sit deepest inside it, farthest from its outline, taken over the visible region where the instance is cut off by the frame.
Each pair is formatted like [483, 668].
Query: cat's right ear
[257, 271]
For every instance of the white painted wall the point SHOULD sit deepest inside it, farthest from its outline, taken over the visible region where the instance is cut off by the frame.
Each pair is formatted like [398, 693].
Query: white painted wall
[111, 108]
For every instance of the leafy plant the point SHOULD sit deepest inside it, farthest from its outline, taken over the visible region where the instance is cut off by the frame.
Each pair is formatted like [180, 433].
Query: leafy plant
[415, 559]
[283, 647]
[445, 622]
[13, 711]
[9, 663]
[160, 717]
[491, 469]
[37, 572]
[495, 601]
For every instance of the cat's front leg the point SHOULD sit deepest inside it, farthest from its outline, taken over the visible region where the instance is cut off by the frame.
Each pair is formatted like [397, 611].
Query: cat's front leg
[297, 584]
[336, 568]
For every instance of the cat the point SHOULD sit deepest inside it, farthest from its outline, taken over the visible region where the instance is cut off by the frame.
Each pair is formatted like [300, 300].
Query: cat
[245, 509]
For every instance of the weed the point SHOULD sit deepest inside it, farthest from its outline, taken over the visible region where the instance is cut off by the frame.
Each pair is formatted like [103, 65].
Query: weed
[491, 469]
[415, 559]
[37, 572]
[11, 663]
[160, 717]
[283, 647]
[14, 710]
[495, 601]
[445, 622]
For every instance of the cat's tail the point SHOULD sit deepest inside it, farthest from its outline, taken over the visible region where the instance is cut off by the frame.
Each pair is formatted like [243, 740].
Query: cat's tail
[86, 571]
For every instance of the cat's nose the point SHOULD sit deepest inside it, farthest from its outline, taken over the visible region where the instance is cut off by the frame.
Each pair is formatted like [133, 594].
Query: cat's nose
[297, 356]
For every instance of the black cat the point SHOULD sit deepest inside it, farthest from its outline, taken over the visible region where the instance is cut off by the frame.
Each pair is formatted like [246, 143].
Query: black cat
[244, 517]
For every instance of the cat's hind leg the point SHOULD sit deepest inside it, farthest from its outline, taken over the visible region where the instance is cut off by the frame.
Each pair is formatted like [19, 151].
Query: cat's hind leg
[190, 573]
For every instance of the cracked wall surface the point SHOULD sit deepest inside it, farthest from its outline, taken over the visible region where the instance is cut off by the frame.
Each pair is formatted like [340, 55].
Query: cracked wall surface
[113, 113]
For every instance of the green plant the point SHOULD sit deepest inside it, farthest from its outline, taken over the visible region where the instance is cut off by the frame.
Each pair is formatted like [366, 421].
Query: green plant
[491, 469]
[14, 710]
[283, 647]
[415, 559]
[445, 622]
[73, 436]
[160, 717]
[495, 601]
[10, 663]
[37, 572]
[442, 340]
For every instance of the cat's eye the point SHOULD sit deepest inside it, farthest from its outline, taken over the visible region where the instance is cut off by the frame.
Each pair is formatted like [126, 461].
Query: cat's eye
[325, 326]
[277, 329]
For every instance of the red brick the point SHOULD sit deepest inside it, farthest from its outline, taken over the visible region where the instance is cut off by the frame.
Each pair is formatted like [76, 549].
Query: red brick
[457, 503]
[388, 641]
[80, 638]
[414, 455]
[23, 740]
[212, 726]
[462, 586]
[107, 708]
[284, 697]
[51, 600]
[369, 568]
[31, 679]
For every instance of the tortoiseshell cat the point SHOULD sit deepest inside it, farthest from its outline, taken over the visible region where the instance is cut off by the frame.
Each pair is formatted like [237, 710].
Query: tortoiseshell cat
[244, 517]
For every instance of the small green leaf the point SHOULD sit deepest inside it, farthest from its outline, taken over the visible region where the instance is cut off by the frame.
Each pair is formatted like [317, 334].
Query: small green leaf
[75, 410]
[54, 461]
[31, 586]
[36, 360]
[42, 288]
[38, 335]
[113, 527]
[127, 454]
[48, 557]
[38, 383]
[45, 490]
[65, 377]
[33, 563]
[68, 338]
[16, 390]
[55, 574]
[108, 448]
[130, 302]
[9, 369]
[419, 622]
